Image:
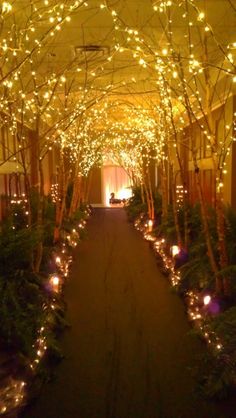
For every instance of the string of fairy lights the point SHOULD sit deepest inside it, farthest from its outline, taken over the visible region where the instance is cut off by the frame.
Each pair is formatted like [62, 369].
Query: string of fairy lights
[197, 304]
[163, 64]
[168, 61]
[15, 392]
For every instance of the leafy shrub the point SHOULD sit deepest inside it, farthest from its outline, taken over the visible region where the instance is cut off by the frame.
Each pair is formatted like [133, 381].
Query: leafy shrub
[135, 206]
[16, 249]
[49, 221]
[20, 311]
[17, 216]
[196, 273]
[215, 376]
[219, 367]
[167, 227]
[230, 216]
[157, 206]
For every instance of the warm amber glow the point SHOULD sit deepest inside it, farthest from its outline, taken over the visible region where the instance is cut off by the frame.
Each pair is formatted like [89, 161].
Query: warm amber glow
[207, 299]
[175, 250]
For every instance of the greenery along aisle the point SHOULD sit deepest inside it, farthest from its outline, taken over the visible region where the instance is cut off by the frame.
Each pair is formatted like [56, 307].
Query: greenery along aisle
[189, 270]
[31, 305]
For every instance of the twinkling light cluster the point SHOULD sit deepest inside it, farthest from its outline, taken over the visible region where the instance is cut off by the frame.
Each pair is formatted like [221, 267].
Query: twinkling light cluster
[55, 193]
[199, 306]
[72, 106]
[55, 281]
[19, 206]
[72, 238]
[180, 195]
[63, 262]
[178, 81]
[40, 345]
[198, 311]
[169, 262]
[12, 395]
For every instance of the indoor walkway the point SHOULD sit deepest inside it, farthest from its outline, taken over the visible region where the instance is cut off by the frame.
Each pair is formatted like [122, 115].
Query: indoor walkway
[128, 353]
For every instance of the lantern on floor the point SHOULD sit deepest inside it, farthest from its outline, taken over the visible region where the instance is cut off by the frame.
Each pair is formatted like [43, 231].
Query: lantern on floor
[150, 225]
[55, 283]
[207, 300]
[174, 250]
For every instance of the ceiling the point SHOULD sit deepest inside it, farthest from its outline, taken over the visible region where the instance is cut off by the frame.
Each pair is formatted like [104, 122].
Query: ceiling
[113, 46]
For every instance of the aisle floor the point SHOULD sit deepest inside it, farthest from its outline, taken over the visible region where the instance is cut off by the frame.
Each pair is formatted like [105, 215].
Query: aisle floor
[129, 351]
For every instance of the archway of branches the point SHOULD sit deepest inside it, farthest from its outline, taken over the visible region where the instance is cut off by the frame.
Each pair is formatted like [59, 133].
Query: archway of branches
[88, 79]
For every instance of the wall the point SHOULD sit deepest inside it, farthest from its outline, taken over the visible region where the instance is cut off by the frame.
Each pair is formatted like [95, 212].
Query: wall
[233, 162]
[115, 180]
[95, 195]
[222, 119]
